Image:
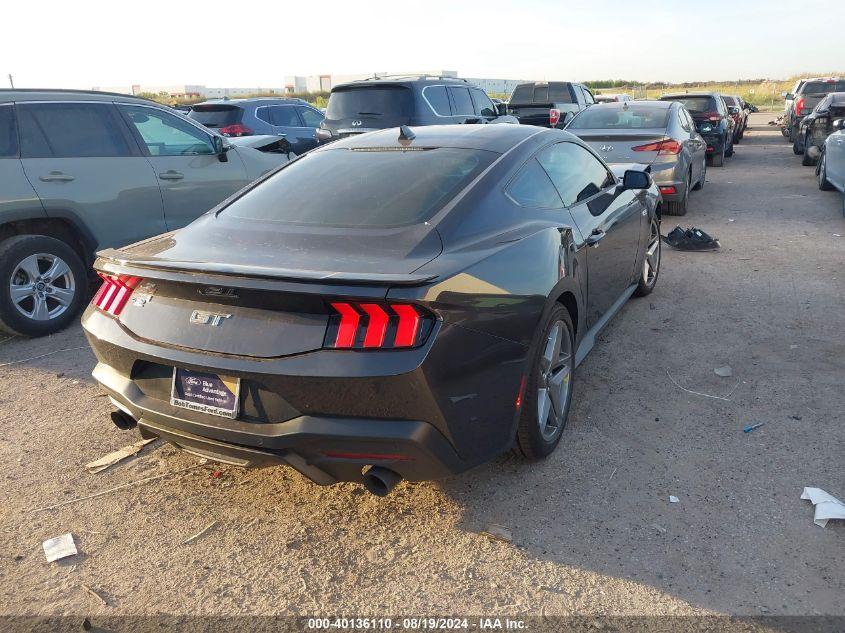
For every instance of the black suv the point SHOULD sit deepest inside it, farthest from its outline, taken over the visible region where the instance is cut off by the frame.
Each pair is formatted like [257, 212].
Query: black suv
[385, 102]
[713, 121]
[549, 103]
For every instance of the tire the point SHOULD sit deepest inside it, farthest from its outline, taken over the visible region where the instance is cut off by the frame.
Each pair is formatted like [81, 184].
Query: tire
[700, 184]
[718, 160]
[821, 172]
[53, 302]
[730, 150]
[551, 373]
[807, 160]
[651, 263]
[679, 207]
[797, 148]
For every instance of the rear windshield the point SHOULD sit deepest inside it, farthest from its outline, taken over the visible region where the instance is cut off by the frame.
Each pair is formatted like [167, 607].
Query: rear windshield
[822, 87]
[348, 103]
[363, 188]
[696, 105]
[633, 117]
[556, 92]
[216, 115]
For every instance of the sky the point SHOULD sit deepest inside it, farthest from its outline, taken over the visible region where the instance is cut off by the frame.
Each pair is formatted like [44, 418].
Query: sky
[87, 43]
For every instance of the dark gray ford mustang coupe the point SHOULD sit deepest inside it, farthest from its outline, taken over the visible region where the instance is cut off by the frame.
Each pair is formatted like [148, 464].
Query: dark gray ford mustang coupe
[400, 304]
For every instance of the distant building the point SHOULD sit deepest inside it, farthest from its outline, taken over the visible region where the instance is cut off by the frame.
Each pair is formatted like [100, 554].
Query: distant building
[188, 91]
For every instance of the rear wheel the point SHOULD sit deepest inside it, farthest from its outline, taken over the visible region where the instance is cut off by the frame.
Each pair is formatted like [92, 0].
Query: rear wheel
[548, 391]
[717, 159]
[806, 159]
[651, 261]
[797, 146]
[821, 172]
[730, 149]
[679, 207]
[42, 285]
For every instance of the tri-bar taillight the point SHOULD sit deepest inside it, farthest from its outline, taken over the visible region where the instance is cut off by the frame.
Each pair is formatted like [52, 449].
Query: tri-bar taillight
[362, 325]
[115, 292]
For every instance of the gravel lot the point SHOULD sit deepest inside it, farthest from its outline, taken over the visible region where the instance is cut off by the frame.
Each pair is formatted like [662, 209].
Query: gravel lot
[593, 531]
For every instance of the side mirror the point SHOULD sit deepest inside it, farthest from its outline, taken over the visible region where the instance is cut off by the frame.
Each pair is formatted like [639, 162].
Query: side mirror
[733, 110]
[838, 124]
[502, 109]
[786, 95]
[634, 179]
[323, 135]
[220, 149]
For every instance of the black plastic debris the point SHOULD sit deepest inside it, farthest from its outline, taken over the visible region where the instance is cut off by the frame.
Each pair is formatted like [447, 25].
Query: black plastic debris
[691, 239]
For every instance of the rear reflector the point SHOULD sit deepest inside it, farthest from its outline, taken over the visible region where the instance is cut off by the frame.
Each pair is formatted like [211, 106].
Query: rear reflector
[377, 326]
[115, 292]
[668, 189]
[367, 457]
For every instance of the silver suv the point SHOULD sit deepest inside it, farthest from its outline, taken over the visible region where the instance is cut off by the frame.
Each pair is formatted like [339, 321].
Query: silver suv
[81, 171]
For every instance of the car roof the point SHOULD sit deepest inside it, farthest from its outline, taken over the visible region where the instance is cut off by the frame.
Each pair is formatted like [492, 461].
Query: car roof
[494, 137]
[406, 80]
[627, 105]
[679, 95]
[250, 100]
[46, 94]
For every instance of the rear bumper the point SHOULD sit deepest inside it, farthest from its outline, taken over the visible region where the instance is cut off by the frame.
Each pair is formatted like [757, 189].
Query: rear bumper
[326, 450]
[666, 175]
[424, 414]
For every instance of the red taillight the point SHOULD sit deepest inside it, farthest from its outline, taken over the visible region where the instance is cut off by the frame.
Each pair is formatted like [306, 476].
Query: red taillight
[554, 116]
[669, 146]
[348, 327]
[376, 326]
[236, 129]
[115, 292]
[799, 105]
[669, 189]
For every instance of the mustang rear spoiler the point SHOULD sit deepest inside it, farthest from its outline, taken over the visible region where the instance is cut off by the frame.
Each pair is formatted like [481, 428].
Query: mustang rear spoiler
[114, 262]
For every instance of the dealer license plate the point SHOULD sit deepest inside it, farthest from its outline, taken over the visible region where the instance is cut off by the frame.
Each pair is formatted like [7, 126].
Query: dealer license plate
[206, 392]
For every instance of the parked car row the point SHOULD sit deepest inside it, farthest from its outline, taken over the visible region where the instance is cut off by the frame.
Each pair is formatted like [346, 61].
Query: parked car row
[81, 171]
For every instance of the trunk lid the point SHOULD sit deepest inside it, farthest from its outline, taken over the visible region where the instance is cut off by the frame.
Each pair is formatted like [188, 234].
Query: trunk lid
[357, 109]
[247, 289]
[618, 147]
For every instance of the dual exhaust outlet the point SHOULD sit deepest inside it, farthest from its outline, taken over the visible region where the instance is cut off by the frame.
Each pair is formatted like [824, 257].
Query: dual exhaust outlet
[377, 480]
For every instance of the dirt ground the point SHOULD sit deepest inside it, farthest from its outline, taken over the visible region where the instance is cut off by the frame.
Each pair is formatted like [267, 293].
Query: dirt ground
[593, 530]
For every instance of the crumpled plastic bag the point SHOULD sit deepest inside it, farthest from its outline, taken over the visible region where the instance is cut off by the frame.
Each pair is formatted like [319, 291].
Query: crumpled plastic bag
[827, 506]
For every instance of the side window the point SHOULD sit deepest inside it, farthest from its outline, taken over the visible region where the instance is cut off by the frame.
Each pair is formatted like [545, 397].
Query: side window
[263, 113]
[311, 118]
[439, 100]
[683, 120]
[588, 96]
[8, 132]
[483, 105]
[284, 116]
[532, 188]
[462, 101]
[70, 130]
[575, 172]
[167, 135]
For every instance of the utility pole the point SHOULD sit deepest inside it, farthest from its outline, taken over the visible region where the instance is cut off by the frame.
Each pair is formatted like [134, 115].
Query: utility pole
[11, 81]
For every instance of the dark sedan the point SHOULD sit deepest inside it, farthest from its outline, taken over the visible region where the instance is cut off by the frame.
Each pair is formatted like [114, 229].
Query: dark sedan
[400, 304]
[660, 134]
[712, 120]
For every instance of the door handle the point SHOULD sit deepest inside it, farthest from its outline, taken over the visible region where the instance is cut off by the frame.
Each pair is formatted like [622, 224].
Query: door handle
[56, 176]
[171, 175]
[595, 237]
